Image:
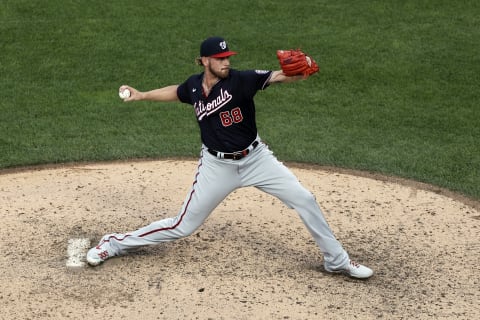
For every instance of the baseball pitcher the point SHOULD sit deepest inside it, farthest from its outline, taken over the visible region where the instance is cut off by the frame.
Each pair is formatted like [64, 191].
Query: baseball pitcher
[232, 154]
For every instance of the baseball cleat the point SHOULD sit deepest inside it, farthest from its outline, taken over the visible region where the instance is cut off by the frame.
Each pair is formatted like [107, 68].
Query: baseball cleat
[354, 270]
[101, 252]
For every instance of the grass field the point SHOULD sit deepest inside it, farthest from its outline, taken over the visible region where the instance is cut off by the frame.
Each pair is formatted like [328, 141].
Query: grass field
[398, 90]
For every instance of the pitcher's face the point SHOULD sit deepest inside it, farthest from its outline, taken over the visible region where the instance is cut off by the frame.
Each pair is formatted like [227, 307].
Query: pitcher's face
[219, 67]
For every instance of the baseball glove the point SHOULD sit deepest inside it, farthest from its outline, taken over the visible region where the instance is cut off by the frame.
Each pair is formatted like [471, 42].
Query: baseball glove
[296, 62]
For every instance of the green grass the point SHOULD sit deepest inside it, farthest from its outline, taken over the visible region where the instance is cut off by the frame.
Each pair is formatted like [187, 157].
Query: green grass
[397, 92]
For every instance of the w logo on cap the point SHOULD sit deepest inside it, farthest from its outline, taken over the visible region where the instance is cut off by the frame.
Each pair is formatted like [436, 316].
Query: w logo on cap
[215, 47]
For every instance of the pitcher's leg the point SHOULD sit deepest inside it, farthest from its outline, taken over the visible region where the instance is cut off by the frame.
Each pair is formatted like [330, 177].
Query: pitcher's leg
[273, 177]
[212, 184]
[303, 201]
[336, 258]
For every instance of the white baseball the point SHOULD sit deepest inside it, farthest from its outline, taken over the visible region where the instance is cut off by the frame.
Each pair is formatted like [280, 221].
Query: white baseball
[124, 94]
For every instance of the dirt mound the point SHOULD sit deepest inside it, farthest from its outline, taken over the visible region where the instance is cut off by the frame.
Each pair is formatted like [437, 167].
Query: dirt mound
[252, 259]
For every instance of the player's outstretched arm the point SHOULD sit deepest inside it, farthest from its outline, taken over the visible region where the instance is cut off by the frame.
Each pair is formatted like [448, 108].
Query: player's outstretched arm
[279, 77]
[168, 93]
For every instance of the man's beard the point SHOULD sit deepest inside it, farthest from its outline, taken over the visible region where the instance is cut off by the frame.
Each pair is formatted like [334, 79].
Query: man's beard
[222, 74]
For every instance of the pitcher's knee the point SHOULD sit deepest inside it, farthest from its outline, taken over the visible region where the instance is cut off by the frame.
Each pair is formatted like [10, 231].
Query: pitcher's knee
[300, 198]
[305, 197]
[185, 231]
[186, 227]
[170, 229]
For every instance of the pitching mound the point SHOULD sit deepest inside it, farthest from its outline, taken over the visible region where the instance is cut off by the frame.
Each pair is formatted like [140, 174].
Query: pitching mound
[252, 259]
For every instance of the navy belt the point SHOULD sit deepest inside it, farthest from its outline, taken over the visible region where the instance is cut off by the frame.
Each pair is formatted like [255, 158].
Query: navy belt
[234, 155]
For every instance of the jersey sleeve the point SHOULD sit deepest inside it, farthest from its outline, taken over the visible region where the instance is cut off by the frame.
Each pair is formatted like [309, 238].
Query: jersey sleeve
[254, 80]
[263, 77]
[183, 94]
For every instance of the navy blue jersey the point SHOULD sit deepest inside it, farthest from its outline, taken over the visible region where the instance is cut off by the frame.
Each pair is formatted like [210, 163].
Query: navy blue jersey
[227, 116]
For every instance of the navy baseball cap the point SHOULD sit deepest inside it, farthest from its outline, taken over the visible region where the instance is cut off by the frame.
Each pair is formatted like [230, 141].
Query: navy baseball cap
[215, 47]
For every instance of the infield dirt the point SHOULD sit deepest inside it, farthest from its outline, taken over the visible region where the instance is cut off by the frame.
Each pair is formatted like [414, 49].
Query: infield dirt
[252, 259]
